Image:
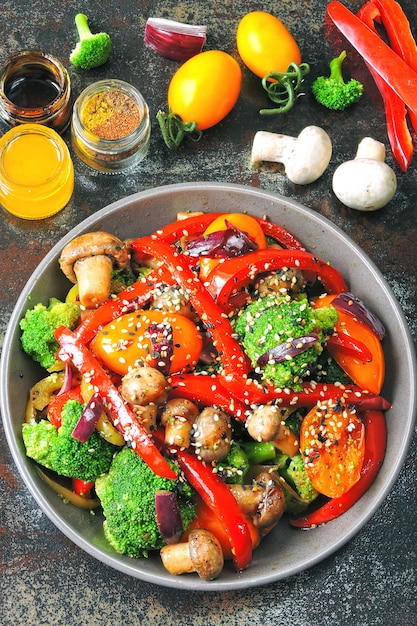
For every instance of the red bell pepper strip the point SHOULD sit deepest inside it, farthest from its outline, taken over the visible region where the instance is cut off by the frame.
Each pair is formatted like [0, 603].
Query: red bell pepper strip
[375, 444]
[133, 297]
[218, 497]
[123, 418]
[398, 132]
[231, 275]
[208, 391]
[351, 346]
[232, 357]
[82, 488]
[197, 224]
[235, 396]
[396, 73]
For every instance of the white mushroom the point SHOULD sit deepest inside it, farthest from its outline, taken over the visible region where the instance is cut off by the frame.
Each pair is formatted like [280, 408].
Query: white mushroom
[365, 183]
[202, 553]
[305, 157]
[89, 261]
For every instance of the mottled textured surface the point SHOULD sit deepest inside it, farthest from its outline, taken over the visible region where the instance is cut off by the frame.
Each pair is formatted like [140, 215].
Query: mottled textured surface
[44, 579]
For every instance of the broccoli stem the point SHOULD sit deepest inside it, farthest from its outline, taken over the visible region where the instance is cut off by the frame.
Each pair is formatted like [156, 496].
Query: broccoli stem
[81, 22]
[336, 67]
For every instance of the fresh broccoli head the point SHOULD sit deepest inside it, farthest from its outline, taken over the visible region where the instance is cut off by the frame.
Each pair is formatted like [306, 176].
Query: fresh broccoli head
[38, 328]
[293, 471]
[92, 50]
[57, 450]
[332, 91]
[127, 495]
[234, 466]
[272, 321]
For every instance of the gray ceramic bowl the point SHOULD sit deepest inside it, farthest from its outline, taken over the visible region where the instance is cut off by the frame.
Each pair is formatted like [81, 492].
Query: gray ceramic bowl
[285, 551]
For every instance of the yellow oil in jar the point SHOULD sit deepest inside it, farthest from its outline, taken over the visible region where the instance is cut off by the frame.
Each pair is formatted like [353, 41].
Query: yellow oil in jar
[36, 172]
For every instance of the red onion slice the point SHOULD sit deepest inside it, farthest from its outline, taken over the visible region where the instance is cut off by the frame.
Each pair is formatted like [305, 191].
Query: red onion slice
[350, 346]
[174, 40]
[288, 349]
[168, 516]
[348, 303]
[67, 384]
[85, 426]
[162, 345]
[221, 244]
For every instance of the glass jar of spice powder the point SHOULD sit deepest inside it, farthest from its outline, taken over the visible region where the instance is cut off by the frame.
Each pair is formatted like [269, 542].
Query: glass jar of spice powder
[110, 126]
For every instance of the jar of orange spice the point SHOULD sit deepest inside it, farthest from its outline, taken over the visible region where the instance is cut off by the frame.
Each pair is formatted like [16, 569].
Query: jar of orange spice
[110, 126]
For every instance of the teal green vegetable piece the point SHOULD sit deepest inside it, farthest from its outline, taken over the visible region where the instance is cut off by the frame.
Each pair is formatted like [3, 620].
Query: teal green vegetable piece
[57, 450]
[92, 50]
[273, 320]
[38, 327]
[127, 495]
[332, 91]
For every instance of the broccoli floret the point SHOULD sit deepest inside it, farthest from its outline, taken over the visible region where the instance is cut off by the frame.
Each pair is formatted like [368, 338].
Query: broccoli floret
[57, 450]
[273, 320]
[332, 91]
[93, 49]
[38, 328]
[234, 467]
[127, 495]
[292, 469]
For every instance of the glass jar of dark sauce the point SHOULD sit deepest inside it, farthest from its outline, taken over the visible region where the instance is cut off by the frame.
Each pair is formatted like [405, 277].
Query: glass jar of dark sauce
[35, 88]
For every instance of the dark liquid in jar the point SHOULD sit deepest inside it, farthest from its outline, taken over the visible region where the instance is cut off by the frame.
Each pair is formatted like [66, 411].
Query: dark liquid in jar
[31, 92]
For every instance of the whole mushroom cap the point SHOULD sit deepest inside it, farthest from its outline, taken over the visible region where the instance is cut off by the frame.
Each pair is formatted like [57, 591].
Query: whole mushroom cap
[98, 243]
[206, 553]
[364, 184]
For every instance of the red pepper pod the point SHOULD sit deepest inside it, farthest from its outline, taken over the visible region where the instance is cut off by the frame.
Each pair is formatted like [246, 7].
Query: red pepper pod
[218, 497]
[375, 52]
[375, 444]
[72, 349]
[398, 132]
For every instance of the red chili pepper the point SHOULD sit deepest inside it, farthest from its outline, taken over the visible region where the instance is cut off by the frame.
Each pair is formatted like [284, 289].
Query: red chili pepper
[124, 419]
[351, 346]
[218, 497]
[400, 36]
[398, 132]
[82, 487]
[133, 297]
[375, 444]
[230, 276]
[396, 73]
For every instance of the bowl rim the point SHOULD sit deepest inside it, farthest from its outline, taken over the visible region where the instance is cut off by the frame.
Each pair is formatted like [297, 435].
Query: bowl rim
[31, 479]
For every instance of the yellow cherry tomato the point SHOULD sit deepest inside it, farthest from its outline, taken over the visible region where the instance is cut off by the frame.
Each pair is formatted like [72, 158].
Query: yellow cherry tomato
[265, 44]
[205, 88]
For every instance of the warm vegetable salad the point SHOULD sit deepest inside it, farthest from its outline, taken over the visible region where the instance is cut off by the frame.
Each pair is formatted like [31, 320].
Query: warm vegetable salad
[202, 383]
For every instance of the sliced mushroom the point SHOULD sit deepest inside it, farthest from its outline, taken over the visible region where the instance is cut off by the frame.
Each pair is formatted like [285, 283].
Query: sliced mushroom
[89, 261]
[202, 554]
[212, 434]
[178, 417]
[144, 385]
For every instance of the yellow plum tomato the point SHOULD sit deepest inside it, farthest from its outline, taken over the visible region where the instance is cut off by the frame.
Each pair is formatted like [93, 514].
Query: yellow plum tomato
[265, 44]
[205, 88]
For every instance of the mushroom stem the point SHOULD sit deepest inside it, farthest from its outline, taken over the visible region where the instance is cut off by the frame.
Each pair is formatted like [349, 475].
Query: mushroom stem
[369, 148]
[305, 157]
[93, 277]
